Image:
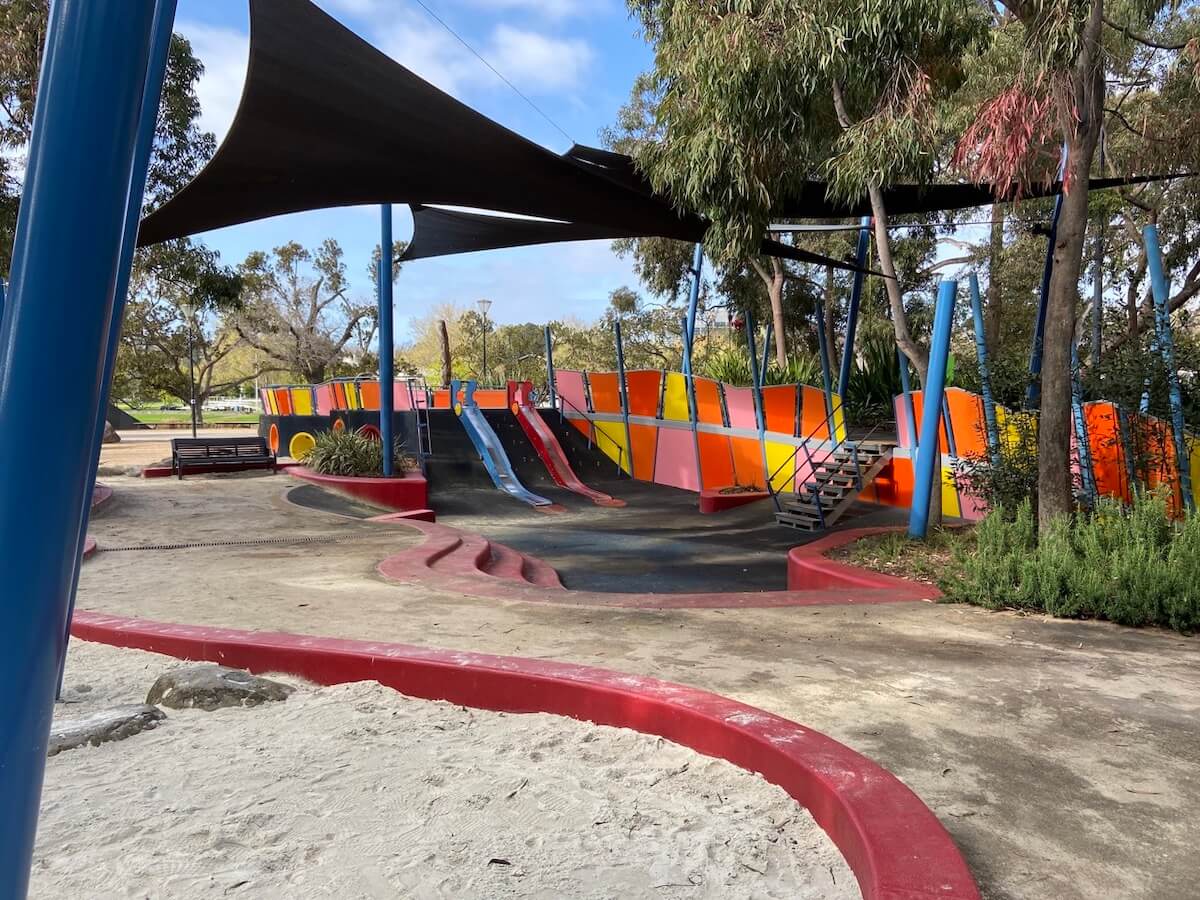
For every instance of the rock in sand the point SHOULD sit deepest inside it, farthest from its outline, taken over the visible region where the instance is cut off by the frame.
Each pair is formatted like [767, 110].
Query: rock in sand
[210, 687]
[101, 727]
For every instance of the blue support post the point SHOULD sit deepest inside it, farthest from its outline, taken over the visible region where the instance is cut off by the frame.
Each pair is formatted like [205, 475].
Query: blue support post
[690, 387]
[624, 391]
[756, 389]
[164, 21]
[823, 348]
[985, 373]
[386, 344]
[1087, 478]
[550, 371]
[1033, 393]
[693, 303]
[1166, 346]
[77, 191]
[926, 472]
[864, 245]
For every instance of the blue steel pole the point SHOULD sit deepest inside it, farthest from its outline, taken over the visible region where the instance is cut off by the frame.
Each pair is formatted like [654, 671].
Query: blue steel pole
[693, 301]
[823, 349]
[690, 388]
[926, 472]
[756, 376]
[386, 344]
[1033, 393]
[864, 245]
[550, 371]
[77, 189]
[164, 20]
[1087, 477]
[1166, 346]
[985, 373]
[624, 391]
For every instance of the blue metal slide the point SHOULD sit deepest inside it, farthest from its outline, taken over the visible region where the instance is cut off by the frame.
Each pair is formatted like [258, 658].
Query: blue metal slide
[487, 445]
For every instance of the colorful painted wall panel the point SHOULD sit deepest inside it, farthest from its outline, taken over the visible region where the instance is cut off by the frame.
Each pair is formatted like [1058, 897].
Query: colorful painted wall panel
[675, 459]
[779, 408]
[716, 460]
[675, 400]
[708, 401]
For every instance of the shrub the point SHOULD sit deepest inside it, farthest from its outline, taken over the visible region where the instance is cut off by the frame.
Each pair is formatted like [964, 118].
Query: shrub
[352, 454]
[1132, 566]
[1013, 477]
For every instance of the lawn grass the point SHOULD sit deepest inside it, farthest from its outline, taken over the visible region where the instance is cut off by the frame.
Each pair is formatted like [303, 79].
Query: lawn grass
[895, 553]
[183, 417]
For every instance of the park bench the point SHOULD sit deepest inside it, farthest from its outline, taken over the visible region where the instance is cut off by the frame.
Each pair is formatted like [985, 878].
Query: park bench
[227, 454]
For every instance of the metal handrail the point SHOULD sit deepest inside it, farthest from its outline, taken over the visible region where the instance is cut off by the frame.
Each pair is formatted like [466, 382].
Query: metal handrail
[594, 430]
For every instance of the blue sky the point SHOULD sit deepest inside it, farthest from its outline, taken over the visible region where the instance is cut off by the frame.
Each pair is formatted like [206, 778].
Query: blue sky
[576, 59]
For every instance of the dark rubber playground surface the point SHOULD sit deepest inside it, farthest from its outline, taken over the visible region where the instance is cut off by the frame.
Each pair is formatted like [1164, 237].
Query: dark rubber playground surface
[658, 543]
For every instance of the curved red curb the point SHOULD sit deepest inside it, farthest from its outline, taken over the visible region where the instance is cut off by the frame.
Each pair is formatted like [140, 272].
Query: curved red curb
[101, 494]
[895, 845]
[809, 569]
[410, 492]
[438, 559]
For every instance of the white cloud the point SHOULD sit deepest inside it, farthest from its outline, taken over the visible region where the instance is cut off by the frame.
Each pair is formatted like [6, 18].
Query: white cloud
[224, 52]
[538, 62]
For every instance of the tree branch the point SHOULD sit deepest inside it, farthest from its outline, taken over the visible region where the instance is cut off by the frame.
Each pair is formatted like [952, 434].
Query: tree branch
[1141, 38]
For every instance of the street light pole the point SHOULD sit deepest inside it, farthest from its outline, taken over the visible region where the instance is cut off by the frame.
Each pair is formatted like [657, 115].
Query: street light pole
[190, 312]
[484, 306]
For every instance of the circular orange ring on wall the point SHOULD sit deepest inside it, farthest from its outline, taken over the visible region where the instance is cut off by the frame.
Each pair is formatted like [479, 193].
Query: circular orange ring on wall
[516, 409]
[370, 431]
[301, 445]
[339, 426]
[273, 438]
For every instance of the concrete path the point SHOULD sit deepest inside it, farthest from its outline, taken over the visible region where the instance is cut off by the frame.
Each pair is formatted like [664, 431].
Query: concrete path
[1064, 757]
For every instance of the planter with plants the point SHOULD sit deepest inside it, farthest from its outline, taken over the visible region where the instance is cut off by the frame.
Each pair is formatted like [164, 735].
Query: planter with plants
[352, 464]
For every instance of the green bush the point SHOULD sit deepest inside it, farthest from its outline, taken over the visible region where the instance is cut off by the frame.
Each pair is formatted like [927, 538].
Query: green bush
[732, 366]
[1132, 566]
[352, 454]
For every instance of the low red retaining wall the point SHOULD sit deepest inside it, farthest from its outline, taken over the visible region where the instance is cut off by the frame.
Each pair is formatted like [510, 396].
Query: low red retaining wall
[895, 845]
[405, 493]
[713, 501]
[809, 569]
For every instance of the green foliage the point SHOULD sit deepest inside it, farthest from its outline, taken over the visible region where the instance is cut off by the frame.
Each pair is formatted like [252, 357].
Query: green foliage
[1132, 566]
[732, 366]
[874, 377]
[1012, 478]
[352, 454]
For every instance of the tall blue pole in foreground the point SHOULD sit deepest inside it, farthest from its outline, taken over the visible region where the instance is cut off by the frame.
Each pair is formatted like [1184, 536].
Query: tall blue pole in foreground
[1166, 346]
[386, 375]
[77, 187]
[927, 471]
[1033, 393]
[985, 372]
[164, 21]
[864, 245]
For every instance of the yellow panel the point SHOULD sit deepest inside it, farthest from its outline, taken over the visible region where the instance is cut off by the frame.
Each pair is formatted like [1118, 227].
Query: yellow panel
[839, 419]
[302, 402]
[1193, 445]
[777, 455]
[675, 402]
[352, 401]
[272, 406]
[950, 504]
[610, 438]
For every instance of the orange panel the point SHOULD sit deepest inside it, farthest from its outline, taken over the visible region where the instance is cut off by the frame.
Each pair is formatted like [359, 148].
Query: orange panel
[708, 403]
[441, 399]
[779, 408]
[1108, 456]
[813, 415]
[339, 395]
[970, 427]
[369, 392]
[748, 462]
[894, 485]
[491, 398]
[606, 394]
[643, 388]
[644, 439]
[716, 464]
[918, 410]
[283, 399]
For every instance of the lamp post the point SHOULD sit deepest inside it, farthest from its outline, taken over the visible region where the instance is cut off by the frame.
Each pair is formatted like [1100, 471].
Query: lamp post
[189, 312]
[484, 306]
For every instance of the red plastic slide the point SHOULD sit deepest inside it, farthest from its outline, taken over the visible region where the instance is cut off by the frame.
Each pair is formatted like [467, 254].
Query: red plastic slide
[547, 446]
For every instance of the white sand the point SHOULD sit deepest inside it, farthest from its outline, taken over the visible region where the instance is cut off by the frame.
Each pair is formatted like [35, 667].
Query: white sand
[357, 791]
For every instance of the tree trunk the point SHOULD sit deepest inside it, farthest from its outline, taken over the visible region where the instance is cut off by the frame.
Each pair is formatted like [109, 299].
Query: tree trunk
[1054, 419]
[773, 281]
[447, 369]
[993, 311]
[904, 340]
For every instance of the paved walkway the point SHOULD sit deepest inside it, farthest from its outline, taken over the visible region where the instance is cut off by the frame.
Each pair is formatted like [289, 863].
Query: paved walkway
[1062, 756]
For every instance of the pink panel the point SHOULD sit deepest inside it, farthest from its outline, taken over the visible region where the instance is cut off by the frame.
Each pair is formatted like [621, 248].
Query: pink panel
[570, 387]
[740, 404]
[325, 403]
[675, 463]
[901, 408]
[400, 398]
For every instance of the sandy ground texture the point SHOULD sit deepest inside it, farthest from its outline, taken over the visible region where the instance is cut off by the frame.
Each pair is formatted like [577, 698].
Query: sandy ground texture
[1062, 756]
[357, 791]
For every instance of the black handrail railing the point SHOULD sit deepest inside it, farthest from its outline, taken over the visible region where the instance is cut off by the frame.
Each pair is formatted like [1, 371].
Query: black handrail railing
[593, 430]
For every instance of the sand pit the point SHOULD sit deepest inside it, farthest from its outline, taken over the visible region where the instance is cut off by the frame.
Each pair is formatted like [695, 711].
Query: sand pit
[357, 791]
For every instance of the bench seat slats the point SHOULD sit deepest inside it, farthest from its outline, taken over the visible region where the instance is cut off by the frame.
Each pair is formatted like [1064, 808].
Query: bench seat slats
[248, 452]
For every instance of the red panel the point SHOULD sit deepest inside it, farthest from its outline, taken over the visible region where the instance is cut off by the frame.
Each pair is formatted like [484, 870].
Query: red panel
[716, 462]
[283, 401]
[643, 388]
[779, 408]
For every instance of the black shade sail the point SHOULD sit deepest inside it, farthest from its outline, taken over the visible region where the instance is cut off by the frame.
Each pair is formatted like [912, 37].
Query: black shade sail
[326, 120]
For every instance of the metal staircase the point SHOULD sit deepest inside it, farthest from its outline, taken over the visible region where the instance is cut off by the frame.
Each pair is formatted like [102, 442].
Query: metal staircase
[835, 483]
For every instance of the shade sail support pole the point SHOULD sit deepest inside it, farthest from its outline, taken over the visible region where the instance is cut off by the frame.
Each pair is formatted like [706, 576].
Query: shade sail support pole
[927, 470]
[864, 246]
[985, 372]
[386, 339]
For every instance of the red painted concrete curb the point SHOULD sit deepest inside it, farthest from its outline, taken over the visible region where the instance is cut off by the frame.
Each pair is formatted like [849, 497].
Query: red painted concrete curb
[895, 845]
[409, 492]
[713, 501]
[438, 559]
[809, 569]
[218, 469]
